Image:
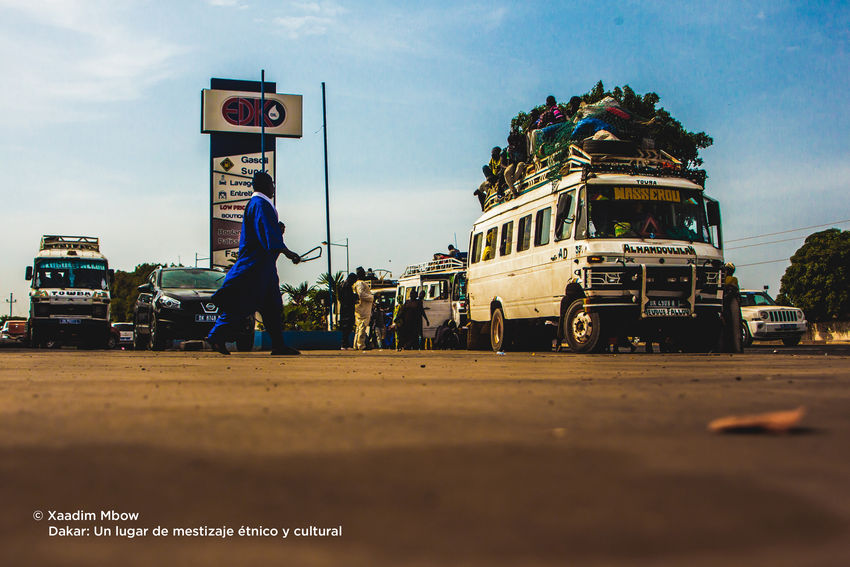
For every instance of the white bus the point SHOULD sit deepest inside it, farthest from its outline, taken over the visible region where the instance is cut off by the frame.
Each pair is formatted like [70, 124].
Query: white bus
[597, 248]
[444, 283]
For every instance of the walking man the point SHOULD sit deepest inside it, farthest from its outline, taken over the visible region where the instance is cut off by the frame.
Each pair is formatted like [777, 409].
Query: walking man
[252, 283]
[363, 311]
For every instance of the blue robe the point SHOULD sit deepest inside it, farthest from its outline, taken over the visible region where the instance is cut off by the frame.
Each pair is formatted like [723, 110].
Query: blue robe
[252, 283]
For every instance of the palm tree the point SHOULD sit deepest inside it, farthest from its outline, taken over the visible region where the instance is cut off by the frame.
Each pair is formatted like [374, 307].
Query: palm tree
[336, 282]
[297, 294]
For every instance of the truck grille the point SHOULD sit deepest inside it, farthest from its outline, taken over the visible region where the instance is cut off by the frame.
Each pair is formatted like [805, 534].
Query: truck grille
[668, 279]
[782, 316]
[45, 310]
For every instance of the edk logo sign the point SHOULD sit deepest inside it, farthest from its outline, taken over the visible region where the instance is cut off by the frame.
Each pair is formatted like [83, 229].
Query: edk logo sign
[245, 111]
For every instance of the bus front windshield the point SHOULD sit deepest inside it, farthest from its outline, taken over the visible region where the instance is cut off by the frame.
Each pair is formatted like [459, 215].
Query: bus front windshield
[68, 273]
[646, 212]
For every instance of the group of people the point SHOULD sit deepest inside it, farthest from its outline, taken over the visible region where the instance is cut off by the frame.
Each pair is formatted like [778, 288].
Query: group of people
[357, 310]
[509, 165]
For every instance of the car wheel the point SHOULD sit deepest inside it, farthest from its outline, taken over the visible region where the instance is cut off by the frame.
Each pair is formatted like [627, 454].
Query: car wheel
[499, 333]
[245, 343]
[139, 342]
[111, 342]
[582, 328]
[791, 341]
[157, 341]
[746, 336]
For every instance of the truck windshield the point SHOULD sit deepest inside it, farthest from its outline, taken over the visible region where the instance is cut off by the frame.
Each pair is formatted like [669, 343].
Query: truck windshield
[645, 212]
[71, 273]
[192, 279]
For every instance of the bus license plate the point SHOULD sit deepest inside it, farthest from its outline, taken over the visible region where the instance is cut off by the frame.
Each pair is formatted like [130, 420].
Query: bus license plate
[667, 308]
[206, 318]
[69, 321]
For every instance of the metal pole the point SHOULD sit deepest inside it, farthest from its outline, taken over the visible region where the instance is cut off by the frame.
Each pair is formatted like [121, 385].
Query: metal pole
[328, 214]
[347, 268]
[263, 119]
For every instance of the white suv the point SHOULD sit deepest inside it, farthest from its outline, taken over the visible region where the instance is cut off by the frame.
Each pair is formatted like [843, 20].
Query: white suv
[764, 320]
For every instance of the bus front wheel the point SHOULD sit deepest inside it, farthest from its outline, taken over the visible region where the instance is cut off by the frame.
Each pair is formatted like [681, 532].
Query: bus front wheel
[582, 328]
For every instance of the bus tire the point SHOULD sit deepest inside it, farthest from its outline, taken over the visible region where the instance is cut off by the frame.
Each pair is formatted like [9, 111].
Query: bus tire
[582, 328]
[499, 333]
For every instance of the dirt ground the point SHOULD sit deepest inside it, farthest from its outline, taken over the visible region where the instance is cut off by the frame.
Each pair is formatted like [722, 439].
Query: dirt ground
[432, 458]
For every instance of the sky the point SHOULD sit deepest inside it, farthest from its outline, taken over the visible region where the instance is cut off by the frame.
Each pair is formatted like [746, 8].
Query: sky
[101, 133]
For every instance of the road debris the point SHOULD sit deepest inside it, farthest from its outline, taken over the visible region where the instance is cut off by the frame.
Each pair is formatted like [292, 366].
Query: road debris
[771, 422]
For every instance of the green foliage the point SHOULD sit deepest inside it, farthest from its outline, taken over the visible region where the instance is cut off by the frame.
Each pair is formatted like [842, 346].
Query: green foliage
[818, 279]
[652, 122]
[307, 306]
[125, 290]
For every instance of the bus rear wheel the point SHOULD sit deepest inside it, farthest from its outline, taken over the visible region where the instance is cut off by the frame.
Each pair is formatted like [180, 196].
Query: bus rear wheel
[499, 336]
[582, 328]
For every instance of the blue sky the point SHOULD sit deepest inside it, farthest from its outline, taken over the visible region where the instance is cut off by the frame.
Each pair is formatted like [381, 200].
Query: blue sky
[101, 132]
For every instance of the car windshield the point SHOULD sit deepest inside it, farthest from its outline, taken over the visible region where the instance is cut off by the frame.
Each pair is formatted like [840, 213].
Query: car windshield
[191, 279]
[71, 273]
[646, 212]
[756, 299]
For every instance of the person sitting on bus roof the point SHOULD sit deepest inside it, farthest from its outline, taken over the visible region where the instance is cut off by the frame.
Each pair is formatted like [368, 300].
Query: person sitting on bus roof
[494, 177]
[552, 114]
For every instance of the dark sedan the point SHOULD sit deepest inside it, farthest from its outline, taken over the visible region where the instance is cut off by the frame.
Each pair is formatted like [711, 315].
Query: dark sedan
[175, 304]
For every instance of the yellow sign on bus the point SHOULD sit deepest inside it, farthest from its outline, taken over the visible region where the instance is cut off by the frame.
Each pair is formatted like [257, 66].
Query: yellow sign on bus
[647, 194]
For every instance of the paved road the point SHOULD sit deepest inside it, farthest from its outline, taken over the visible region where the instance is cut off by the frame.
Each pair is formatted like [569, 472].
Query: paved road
[435, 458]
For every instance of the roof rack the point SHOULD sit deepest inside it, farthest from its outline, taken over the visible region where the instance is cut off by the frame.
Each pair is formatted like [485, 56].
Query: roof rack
[441, 265]
[655, 163]
[56, 242]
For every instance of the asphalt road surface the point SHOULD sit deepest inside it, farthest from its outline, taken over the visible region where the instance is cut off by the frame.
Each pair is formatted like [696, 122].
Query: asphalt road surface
[420, 459]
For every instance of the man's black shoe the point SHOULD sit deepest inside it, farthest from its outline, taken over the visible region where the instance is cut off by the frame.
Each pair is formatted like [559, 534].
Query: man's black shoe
[217, 346]
[284, 351]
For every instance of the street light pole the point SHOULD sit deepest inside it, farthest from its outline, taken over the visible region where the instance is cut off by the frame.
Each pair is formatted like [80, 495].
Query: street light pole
[10, 301]
[347, 268]
[327, 212]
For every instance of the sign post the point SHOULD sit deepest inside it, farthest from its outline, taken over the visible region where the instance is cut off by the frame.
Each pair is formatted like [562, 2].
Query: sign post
[233, 114]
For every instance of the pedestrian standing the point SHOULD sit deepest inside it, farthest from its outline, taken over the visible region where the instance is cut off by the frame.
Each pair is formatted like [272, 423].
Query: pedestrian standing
[363, 310]
[252, 283]
[347, 299]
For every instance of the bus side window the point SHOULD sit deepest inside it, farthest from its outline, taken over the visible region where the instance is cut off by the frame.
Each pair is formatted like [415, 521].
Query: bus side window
[476, 248]
[490, 244]
[542, 226]
[524, 234]
[507, 238]
[564, 217]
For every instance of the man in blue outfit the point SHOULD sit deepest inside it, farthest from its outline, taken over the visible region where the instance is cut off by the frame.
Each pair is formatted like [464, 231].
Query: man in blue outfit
[252, 284]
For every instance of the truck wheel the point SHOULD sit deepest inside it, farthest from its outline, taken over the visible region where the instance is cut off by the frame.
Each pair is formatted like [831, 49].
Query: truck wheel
[791, 341]
[582, 328]
[499, 333]
[746, 337]
[157, 341]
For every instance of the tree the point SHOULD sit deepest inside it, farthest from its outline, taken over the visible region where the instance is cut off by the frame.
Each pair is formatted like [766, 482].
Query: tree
[818, 279]
[648, 120]
[124, 290]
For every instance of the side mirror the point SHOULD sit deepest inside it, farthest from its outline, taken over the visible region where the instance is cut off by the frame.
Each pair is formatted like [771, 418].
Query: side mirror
[713, 211]
[146, 288]
[29, 273]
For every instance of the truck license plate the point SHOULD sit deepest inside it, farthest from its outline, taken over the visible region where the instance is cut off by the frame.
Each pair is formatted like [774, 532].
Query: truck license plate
[667, 308]
[206, 318]
[69, 321]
